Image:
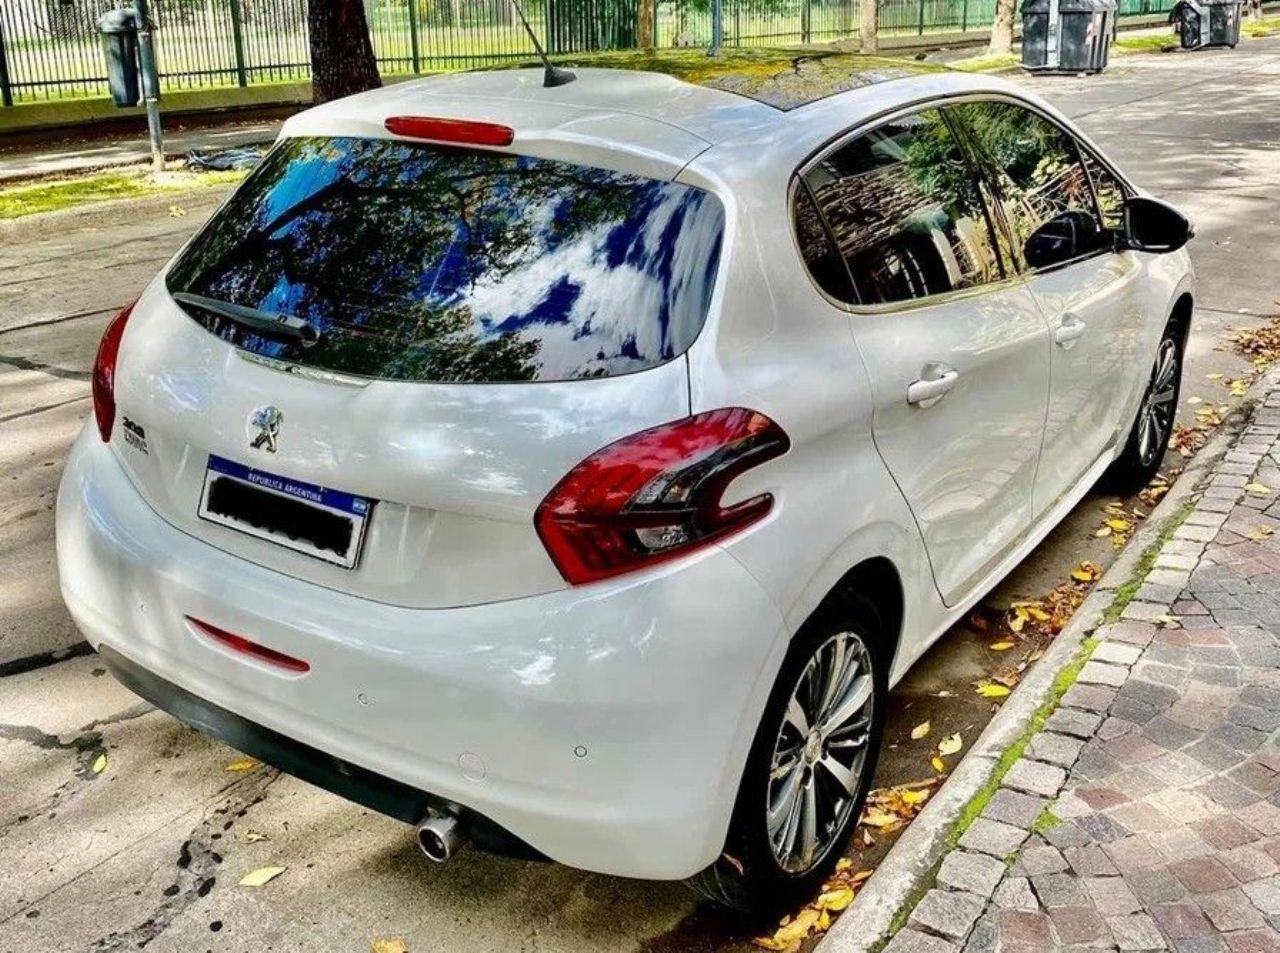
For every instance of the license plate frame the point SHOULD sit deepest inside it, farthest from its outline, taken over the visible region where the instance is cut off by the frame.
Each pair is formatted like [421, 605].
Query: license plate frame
[239, 497]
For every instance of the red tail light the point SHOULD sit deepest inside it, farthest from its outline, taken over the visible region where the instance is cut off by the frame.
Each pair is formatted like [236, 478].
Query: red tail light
[657, 494]
[462, 131]
[104, 373]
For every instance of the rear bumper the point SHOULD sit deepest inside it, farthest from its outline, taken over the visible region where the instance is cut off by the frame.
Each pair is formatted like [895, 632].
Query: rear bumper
[604, 726]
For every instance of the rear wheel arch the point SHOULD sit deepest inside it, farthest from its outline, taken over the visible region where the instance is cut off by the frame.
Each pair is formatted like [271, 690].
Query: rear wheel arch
[876, 582]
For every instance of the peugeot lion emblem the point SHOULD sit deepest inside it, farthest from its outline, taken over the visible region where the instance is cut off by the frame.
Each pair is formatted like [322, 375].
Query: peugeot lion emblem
[266, 422]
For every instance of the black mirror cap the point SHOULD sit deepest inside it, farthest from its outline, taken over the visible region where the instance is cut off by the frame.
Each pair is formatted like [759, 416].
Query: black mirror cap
[1154, 226]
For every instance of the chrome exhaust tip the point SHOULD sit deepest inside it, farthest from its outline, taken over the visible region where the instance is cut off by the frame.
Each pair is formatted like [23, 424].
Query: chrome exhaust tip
[440, 837]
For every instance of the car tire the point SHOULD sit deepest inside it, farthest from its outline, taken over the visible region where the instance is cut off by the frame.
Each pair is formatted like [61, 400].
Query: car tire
[758, 873]
[1153, 426]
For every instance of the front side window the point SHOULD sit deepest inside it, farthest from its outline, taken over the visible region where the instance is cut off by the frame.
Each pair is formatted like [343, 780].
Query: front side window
[906, 212]
[408, 261]
[1045, 192]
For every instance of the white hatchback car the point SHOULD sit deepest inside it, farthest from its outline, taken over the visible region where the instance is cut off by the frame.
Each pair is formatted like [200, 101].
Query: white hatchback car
[574, 469]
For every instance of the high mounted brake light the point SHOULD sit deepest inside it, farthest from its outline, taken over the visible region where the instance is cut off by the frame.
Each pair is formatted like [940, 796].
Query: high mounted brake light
[657, 494]
[461, 131]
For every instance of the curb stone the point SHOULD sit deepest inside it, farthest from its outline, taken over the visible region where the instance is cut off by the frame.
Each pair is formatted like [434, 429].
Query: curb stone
[910, 867]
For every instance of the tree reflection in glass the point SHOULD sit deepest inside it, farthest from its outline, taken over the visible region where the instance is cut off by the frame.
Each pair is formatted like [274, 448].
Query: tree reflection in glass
[423, 262]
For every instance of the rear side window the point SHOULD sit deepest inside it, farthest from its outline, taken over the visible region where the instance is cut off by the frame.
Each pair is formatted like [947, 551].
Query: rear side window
[906, 212]
[406, 261]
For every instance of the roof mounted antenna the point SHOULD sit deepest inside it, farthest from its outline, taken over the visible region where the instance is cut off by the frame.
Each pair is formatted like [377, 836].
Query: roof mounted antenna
[552, 75]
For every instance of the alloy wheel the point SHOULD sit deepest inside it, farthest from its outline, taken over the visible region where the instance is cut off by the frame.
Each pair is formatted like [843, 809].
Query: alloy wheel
[1155, 420]
[820, 753]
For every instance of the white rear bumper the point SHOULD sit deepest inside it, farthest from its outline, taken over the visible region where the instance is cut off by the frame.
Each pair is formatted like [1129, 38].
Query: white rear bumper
[660, 679]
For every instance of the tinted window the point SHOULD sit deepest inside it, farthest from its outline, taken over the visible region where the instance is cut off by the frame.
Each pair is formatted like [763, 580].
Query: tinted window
[1044, 190]
[423, 263]
[819, 253]
[906, 212]
[1108, 190]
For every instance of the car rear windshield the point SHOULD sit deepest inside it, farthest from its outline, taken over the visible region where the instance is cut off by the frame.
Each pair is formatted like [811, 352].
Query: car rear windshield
[406, 261]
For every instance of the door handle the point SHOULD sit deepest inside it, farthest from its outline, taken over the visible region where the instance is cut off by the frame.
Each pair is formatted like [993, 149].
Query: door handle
[935, 380]
[1069, 331]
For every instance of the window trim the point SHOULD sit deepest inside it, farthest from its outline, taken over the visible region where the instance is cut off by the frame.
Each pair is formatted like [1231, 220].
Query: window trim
[845, 136]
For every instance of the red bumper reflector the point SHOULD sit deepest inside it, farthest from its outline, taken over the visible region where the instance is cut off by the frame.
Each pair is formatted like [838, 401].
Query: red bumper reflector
[462, 131]
[238, 643]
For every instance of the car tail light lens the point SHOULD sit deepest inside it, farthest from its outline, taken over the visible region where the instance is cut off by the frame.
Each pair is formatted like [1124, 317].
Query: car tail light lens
[461, 131]
[104, 373]
[657, 494]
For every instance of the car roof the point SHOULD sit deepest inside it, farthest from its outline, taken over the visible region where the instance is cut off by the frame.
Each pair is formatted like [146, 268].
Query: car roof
[662, 109]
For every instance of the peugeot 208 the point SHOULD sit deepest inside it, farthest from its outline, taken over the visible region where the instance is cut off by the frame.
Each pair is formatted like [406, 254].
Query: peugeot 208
[574, 469]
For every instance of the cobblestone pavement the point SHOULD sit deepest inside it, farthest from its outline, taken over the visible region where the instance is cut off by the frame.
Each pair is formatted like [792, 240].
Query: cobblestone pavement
[1146, 814]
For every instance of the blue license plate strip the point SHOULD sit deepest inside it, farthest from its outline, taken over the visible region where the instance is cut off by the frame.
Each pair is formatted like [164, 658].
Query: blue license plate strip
[320, 498]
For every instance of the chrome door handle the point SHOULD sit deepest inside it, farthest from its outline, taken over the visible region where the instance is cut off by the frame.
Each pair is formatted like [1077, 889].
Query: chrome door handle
[1069, 331]
[935, 380]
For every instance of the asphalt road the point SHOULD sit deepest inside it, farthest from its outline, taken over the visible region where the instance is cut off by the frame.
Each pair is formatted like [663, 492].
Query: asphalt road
[151, 848]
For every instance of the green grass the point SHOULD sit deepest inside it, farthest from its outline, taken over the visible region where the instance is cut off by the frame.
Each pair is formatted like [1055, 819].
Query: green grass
[19, 201]
[1146, 44]
[986, 63]
[1260, 28]
[1124, 595]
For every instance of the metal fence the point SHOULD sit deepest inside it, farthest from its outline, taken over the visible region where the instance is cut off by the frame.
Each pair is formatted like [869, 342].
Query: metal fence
[50, 49]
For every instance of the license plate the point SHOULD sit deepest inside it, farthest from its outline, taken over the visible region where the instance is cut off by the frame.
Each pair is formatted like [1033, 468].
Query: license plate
[314, 520]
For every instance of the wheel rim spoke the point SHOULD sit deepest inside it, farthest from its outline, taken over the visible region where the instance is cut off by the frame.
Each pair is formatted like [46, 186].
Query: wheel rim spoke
[857, 696]
[847, 778]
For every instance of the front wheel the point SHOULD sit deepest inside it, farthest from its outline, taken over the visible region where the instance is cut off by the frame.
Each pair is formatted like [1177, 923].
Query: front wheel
[1149, 439]
[808, 773]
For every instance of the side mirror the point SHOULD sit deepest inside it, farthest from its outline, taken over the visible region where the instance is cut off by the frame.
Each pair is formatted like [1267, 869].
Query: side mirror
[1066, 236]
[1154, 226]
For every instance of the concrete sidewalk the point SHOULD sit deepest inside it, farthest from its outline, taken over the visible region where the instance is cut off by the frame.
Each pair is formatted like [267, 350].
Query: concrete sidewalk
[1144, 815]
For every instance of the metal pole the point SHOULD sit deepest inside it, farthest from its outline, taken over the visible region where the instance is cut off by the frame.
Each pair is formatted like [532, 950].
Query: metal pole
[6, 89]
[150, 83]
[415, 52]
[237, 40]
[717, 27]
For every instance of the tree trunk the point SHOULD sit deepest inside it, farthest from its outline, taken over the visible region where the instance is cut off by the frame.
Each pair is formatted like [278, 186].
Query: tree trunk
[644, 25]
[867, 40]
[1002, 29]
[342, 60]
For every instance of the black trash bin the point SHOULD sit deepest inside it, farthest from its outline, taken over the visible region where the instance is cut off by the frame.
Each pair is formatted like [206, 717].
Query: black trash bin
[119, 30]
[1067, 36]
[1204, 23]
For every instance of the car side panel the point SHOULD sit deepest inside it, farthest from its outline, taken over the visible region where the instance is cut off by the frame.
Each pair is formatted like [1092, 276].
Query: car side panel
[776, 345]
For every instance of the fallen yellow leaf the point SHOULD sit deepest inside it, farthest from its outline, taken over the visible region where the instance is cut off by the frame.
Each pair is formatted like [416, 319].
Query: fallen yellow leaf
[1261, 533]
[835, 900]
[1257, 489]
[952, 743]
[100, 764]
[254, 837]
[1000, 646]
[914, 797]
[243, 764]
[874, 817]
[919, 731]
[938, 764]
[991, 690]
[395, 945]
[798, 928]
[256, 878]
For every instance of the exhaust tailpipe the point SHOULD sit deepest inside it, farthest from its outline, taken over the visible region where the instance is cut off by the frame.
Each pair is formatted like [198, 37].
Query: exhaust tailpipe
[440, 837]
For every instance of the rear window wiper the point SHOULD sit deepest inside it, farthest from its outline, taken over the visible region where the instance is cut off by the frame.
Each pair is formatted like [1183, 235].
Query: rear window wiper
[266, 322]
